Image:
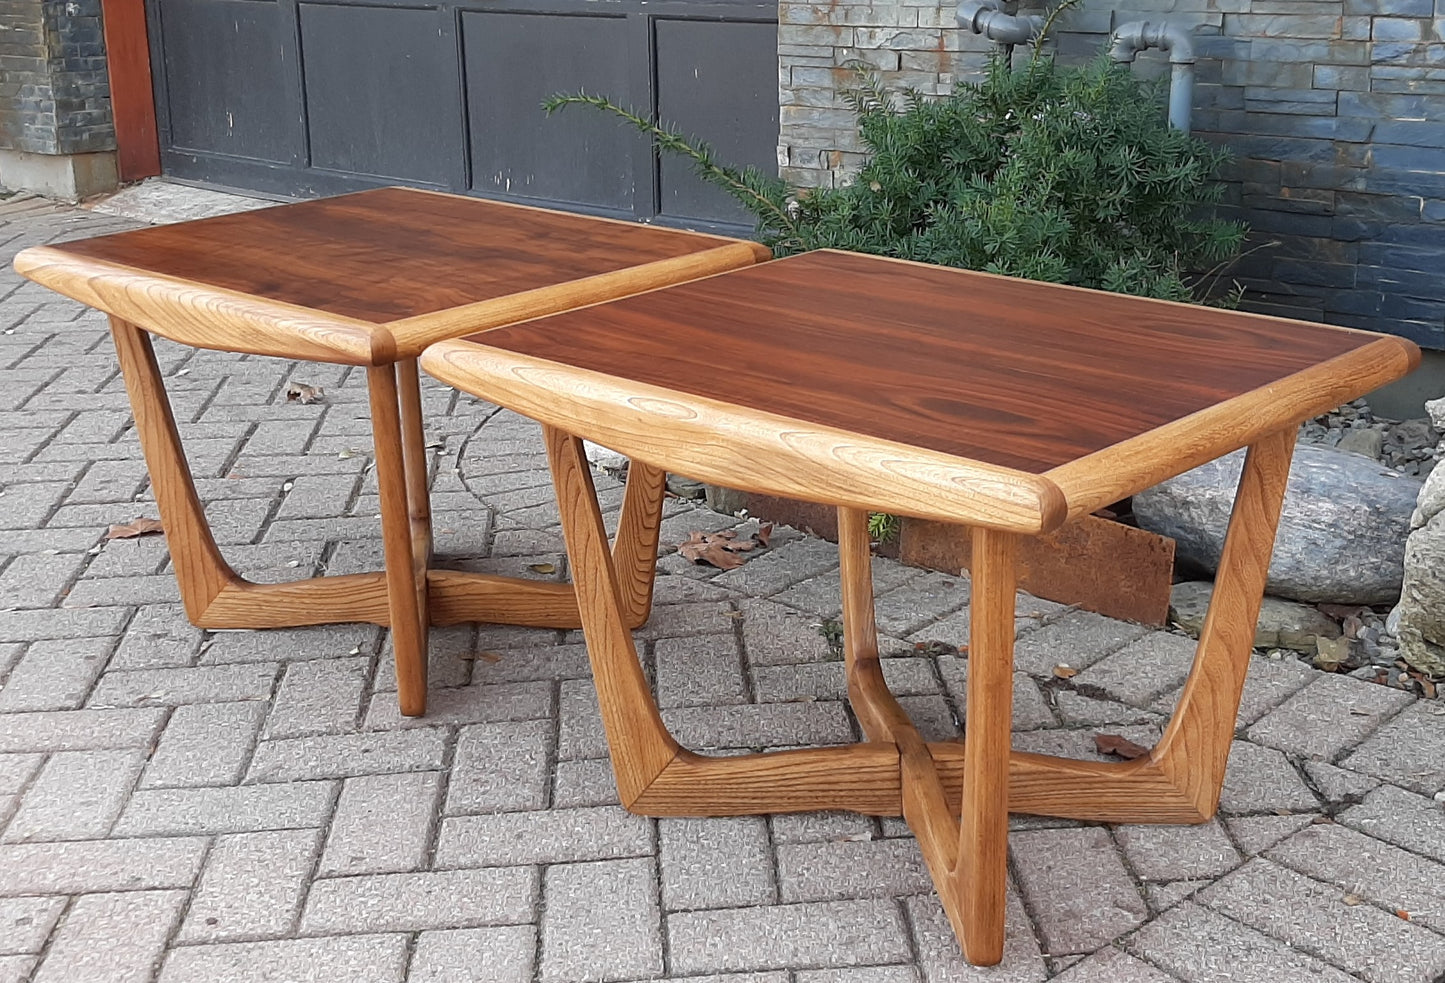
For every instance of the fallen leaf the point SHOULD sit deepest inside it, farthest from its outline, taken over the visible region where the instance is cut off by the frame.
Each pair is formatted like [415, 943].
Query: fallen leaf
[484, 656]
[934, 647]
[1402, 913]
[1352, 899]
[134, 528]
[301, 393]
[542, 567]
[1120, 746]
[720, 549]
[764, 533]
[1062, 671]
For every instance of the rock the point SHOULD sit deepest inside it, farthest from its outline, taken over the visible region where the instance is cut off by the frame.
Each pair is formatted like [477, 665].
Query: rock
[1282, 624]
[685, 487]
[603, 457]
[1421, 612]
[1341, 537]
[1367, 442]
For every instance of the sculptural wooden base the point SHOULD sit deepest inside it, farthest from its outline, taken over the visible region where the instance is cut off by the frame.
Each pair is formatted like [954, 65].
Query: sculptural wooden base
[955, 796]
[409, 595]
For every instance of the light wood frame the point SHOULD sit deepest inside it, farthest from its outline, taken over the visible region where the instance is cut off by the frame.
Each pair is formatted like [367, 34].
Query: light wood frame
[955, 796]
[409, 595]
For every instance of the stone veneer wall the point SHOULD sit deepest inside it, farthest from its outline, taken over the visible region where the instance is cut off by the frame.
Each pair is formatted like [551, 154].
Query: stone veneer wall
[1334, 109]
[54, 92]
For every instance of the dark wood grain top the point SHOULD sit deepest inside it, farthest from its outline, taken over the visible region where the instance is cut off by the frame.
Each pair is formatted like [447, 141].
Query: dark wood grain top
[390, 253]
[1009, 372]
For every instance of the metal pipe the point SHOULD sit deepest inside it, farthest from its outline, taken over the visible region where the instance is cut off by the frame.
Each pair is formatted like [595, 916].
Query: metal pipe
[987, 17]
[1136, 36]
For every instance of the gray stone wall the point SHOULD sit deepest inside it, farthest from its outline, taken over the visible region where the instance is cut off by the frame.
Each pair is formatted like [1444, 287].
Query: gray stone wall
[54, 92]
[1334, 110]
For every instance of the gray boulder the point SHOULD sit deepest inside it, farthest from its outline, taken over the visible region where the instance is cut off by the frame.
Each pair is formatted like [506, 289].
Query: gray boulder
[1282, 624]
[1341, 538]
[1422, 603]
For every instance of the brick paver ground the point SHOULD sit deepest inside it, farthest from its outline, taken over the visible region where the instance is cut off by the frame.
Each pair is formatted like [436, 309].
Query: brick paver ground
[181, 806]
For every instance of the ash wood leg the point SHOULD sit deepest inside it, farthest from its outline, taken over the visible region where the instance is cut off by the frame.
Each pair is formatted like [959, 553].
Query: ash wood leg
[1180, 780]
[201, 572]
[418, 487]
[405, 596]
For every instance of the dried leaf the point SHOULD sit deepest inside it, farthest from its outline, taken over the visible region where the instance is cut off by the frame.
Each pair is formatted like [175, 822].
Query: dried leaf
[484, 656]
[720, 549]
[299, 392]
[1402, 913]
[764, 533]
[1352, 900]
[134, 528]
[1062, 671]
[1120, 746]
[542, 567]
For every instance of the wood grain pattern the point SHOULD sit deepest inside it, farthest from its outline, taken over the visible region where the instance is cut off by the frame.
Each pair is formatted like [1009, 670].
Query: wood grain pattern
[1012, 373]
[740, 447]
[392, 253]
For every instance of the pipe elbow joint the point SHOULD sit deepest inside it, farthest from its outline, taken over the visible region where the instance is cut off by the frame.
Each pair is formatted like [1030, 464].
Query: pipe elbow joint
[1136, 36]
[987, 17]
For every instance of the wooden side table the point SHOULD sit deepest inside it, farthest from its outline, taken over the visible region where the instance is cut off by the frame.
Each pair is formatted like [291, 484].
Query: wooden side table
[366, 279]
[1011, 406]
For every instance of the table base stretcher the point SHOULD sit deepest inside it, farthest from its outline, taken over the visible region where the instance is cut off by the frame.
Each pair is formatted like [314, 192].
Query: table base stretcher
[955, 796]
[410, 594]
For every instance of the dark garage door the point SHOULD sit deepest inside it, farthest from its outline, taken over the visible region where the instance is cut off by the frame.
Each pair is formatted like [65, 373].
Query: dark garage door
[306, 98]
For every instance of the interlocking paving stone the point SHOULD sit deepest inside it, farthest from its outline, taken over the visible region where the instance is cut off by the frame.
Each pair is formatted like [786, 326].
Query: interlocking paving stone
[34, 580]
[1030, 707]
[1402, 818]
[16, 969]
[1268, 683]
[779, 568]
[1408, 750]
[348, 755]
[715, 863]
[204, 744]
[233, 809]
[1078, 639]
[601, 922]
[171, 687]
[1260, 779]
[89, 866]
[318, 697]
[25, 923]
[1113, 966]
[822, 595]
[289, 644]
[1172, 853]
[16, 770]
[777, 635]
[1140, 671]
[581, 734]
[702, 671]
[555, 836]
[1385, 875]
[373, 958]
[688, 621]
[851, 869]
[1311, 916]
[1201, 946]
[760, 725]
[417, 901]
[815, 827]
[822, 934]
[500, 767]
[1256, 834]
[1077, 886]
[382, 824]
[251, 887]
[1332, 713]
[503, 954]
[583, 783]
[941, 961]
[1076, 710]
[1338, 785]
[921, 600]
[860, 974]
[158, 637]
[77, 796]
[33, 625]
[112, 938]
